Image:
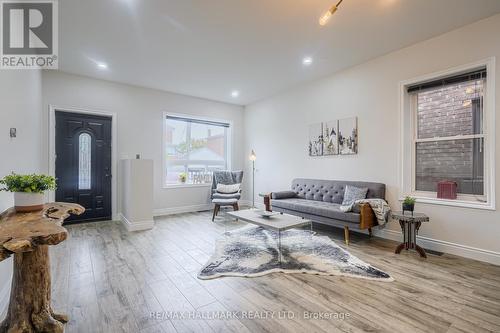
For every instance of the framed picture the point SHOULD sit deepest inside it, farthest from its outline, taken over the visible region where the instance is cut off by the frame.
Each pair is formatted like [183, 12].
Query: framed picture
[316, 139]
[348, 136]
[330, 137]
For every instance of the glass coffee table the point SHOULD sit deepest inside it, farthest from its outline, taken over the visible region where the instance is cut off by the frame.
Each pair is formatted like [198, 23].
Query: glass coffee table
[278, 222]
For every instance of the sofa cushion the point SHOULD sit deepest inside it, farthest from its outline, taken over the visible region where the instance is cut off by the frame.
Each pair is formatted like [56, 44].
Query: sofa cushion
[320, 208]
[217, 195]
[284, 195]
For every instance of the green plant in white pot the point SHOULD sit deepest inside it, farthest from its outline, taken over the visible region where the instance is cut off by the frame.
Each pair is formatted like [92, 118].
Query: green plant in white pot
[29, 190]
[183, 177]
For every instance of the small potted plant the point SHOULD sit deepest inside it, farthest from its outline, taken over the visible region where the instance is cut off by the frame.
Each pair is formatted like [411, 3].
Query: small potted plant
[28, 190]
[409, 204]
[183, 177]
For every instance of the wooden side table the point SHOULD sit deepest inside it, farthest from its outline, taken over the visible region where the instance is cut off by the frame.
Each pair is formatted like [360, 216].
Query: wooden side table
[267, 200]
[28, 236]
[410, 224]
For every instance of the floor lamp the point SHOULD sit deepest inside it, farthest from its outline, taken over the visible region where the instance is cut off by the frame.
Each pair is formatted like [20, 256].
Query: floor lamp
[253, 157]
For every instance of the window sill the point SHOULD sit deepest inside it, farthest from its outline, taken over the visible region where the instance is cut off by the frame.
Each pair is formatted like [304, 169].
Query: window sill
[454, 203]
[173, 186]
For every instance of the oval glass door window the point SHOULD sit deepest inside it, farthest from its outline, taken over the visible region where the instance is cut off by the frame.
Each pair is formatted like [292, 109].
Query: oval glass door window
[84, 161]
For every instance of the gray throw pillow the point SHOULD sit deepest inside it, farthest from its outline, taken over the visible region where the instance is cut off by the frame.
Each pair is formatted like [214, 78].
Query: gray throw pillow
[352, 193]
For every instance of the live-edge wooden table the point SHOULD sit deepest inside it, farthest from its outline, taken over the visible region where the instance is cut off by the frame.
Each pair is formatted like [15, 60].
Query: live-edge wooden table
[28, 236]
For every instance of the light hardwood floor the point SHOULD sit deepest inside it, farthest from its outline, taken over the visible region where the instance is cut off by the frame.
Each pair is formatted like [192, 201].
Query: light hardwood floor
[108, 280]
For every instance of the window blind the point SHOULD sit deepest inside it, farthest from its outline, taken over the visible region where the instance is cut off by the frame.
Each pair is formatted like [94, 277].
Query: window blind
[469, 76]
[198, 121]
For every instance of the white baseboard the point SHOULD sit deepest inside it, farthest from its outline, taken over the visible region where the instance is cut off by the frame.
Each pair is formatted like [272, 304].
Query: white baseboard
[470, 252]
[183, 209]
[4, 300]
[137, 225]
[198, 208]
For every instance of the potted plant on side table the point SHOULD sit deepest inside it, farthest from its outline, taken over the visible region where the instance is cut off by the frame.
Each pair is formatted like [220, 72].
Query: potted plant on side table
[183, 177]
[29, 190]
[409, 204]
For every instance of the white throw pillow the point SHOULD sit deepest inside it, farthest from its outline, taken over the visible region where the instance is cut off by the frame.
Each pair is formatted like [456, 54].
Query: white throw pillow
[233, 188]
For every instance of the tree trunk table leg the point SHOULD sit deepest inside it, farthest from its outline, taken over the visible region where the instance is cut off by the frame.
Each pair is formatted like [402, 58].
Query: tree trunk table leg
[30, 307]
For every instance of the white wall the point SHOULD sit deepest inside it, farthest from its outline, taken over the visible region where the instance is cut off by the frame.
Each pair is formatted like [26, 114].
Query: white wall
[140, 125]
[277, 128]
[20, 102]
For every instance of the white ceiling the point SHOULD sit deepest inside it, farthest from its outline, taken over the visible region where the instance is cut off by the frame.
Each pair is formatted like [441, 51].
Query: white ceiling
[208, 48]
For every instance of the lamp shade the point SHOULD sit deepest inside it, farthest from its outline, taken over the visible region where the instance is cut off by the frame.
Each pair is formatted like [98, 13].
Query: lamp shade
[253, 156]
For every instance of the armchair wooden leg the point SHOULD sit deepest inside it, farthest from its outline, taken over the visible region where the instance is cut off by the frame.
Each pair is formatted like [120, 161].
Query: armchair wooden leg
[346, 235]
[370, 232]
[236, 206]
[216, 210]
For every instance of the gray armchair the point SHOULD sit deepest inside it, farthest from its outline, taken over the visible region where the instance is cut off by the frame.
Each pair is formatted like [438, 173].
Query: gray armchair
[225, 199]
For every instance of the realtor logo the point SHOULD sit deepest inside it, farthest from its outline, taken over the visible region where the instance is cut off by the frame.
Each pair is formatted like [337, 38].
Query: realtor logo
[29, 34]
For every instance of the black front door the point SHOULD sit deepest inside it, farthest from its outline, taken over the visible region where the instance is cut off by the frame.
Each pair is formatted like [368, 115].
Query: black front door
[83, 164]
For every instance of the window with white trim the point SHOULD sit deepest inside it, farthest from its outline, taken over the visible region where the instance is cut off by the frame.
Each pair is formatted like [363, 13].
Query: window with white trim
[194, 149]
[449, 135]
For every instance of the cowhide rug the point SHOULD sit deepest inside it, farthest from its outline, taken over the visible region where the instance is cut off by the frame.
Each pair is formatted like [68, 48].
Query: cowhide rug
[253, 251]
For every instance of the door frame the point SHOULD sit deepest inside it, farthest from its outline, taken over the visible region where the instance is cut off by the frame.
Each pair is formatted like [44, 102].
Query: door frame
[114, 161]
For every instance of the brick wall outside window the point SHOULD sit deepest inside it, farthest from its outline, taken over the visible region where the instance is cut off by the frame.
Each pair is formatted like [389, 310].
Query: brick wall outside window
[447, 112]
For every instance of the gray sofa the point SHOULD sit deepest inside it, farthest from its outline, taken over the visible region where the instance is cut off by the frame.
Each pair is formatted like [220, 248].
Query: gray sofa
[319, 201]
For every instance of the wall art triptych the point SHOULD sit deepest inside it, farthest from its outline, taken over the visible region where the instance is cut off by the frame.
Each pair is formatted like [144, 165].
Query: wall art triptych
[336, 137]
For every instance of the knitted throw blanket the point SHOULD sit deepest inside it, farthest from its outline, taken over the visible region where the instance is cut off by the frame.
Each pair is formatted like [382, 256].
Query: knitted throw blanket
[380, 208]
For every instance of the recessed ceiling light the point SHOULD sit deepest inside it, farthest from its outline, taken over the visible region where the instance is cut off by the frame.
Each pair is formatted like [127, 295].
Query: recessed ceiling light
[307, 61]
[102, 65]
[235, 93]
